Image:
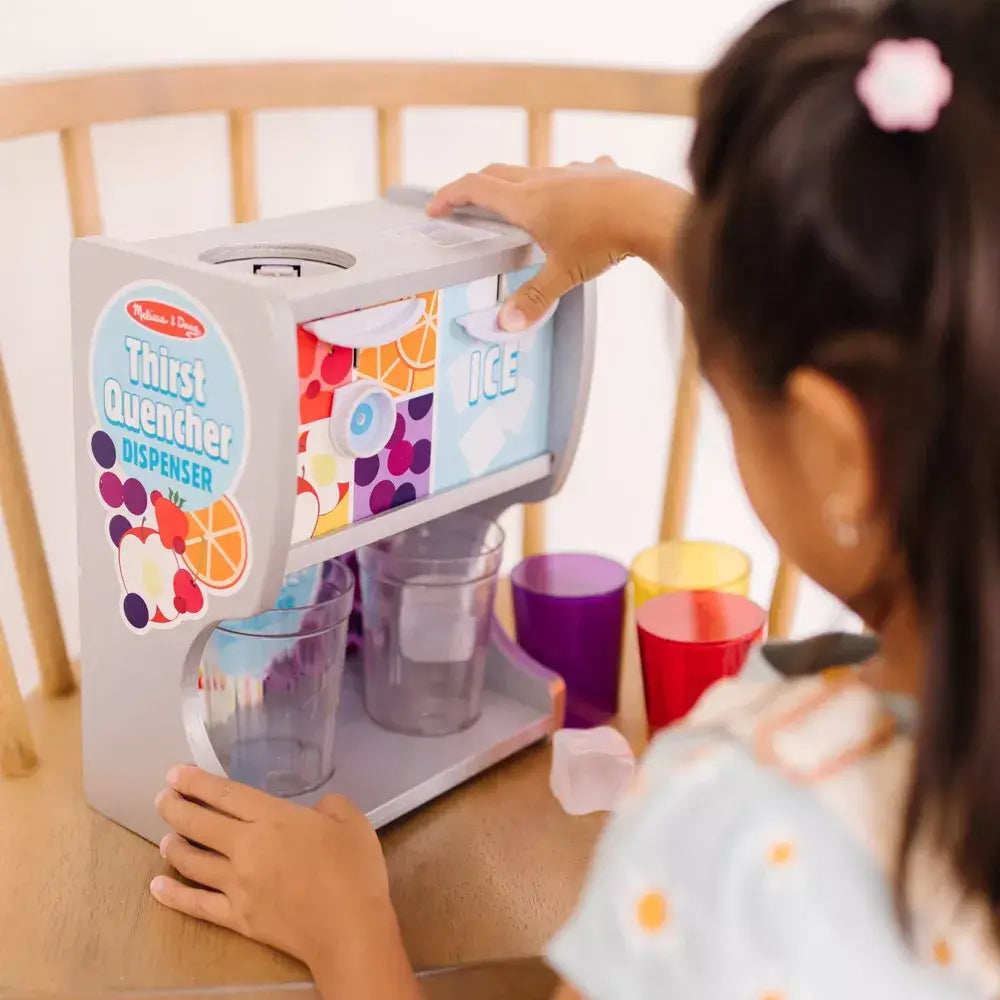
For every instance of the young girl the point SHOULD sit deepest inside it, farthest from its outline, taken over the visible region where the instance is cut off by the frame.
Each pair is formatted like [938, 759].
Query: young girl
[835, 835]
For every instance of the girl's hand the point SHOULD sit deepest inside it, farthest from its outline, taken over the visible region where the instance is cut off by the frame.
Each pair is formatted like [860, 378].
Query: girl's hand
[585, 217]
[310, 882]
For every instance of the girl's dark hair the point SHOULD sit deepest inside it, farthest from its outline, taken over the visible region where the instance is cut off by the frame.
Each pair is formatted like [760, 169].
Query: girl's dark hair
[818, 240]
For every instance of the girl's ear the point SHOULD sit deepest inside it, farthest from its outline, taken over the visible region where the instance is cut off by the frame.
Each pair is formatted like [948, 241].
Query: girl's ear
[832, 446]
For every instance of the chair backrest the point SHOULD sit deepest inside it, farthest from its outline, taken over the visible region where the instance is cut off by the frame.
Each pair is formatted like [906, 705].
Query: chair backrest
[70, 106]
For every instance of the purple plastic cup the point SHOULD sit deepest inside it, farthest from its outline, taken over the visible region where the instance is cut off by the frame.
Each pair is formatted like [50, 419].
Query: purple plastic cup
[569, 610]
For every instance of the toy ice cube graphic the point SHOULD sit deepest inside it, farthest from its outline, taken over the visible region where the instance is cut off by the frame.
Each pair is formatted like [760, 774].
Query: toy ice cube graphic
[437, 619]
[482, 442]
[513, 409]
[591, 769]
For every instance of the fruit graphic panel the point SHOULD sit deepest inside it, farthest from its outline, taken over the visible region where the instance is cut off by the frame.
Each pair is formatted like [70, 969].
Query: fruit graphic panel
[322, 501]
[321, 369]
[492, 398]
[168, 447]
[322, 497]
[407, 366]
[401, 472]
[167, 559]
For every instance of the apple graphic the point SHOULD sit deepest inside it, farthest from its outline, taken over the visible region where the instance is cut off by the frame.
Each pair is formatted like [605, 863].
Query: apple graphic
[188, 598]
[147, 570]
[306, 511]
[323, 468]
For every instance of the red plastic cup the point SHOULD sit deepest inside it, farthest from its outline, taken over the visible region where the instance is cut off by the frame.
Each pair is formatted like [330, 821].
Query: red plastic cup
[687, 642]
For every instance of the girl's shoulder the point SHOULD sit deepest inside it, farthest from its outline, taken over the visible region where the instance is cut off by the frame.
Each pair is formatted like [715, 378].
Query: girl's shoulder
[754, 856]
[827, 735]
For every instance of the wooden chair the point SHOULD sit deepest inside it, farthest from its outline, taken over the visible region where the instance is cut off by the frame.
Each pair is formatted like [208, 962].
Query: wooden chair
[70, 106]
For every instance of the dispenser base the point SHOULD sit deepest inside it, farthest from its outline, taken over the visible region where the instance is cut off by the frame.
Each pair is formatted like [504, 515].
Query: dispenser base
[388, 774]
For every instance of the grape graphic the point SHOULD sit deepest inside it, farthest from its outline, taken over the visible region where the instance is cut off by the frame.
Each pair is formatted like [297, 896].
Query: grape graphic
[103, 450]
[421, 457]
[136, 612]
[118, 526]
[421, 406]
[134, 496]
[365, 470]
[406, 493]
[398, 430]
[110, 487]
[382, 496]
[400, 459]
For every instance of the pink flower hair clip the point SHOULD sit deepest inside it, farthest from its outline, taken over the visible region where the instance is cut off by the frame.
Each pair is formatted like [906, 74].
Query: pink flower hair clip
[905, 85]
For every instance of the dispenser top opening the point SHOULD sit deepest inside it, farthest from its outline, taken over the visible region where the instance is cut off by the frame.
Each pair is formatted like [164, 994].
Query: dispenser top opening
[280, 260]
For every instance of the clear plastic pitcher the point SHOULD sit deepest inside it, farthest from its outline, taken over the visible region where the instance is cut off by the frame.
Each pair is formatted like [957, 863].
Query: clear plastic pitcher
[271, 684]
[427, 597]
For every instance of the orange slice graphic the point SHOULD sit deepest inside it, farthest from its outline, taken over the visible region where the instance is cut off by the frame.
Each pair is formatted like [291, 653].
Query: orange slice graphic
[406, 365]
[216, 545]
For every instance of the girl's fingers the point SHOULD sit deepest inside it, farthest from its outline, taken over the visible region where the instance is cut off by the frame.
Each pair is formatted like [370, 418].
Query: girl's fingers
[220, 793]
[204, 867]
[482, 190]
[533, 299]
[507, 172]
[196, 822]
[201, 903]
[601, 161]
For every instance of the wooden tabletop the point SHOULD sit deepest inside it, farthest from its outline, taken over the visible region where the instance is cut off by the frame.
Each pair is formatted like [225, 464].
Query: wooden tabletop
[488, 871]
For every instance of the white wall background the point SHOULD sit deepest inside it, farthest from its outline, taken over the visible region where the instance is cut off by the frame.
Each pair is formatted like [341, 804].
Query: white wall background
[163, 176]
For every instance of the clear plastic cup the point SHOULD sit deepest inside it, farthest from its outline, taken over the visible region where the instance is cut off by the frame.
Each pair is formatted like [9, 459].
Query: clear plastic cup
[672, 567]
[427, 599]
[271, 684]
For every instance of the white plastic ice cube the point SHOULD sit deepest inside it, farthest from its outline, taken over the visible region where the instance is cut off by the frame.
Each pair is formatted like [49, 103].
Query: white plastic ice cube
[591, 769]
[437, 619]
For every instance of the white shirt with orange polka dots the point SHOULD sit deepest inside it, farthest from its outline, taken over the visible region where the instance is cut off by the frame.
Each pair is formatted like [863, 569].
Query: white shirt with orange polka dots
[754, 861]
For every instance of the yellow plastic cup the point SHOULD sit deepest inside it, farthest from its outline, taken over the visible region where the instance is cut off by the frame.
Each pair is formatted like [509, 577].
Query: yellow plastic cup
[676, 566]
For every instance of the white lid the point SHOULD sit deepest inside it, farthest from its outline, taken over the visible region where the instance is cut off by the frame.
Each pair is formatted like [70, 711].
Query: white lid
[363, 418]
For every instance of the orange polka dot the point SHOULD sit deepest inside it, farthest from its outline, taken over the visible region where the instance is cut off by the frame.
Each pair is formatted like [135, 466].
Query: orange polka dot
[772, 995]
[652, 912]
[942, 952]
[782, 853]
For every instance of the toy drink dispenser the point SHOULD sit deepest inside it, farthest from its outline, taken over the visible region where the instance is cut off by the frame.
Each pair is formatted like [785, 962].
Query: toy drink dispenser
[284, 427]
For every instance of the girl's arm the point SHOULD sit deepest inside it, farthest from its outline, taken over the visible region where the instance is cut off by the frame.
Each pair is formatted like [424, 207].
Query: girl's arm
[373, 966]
[586, 217]
[566, 992]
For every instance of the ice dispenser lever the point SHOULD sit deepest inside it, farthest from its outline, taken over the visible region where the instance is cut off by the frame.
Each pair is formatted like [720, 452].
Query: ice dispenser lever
[484, 324]
[369, 327]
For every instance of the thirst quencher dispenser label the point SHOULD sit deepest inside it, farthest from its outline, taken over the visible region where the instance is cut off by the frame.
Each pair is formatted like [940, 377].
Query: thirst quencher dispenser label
[168, 447]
